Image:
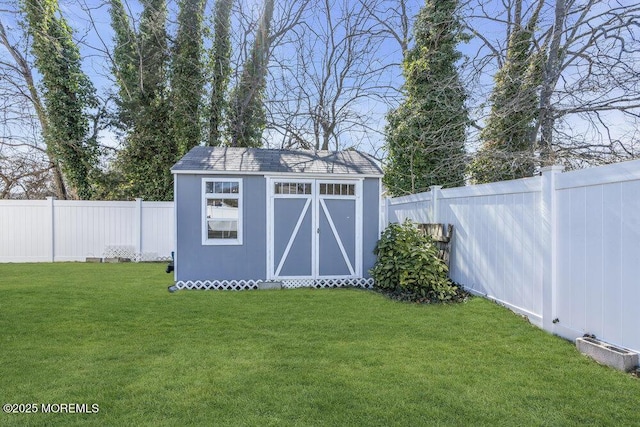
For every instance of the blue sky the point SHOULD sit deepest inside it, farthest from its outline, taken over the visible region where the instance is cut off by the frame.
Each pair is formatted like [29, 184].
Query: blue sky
[90, 21]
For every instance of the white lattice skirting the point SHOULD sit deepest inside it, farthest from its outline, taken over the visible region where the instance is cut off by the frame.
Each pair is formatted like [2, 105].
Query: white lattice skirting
[130, 253]
[241, 285]
[223, 285]
[328, 283]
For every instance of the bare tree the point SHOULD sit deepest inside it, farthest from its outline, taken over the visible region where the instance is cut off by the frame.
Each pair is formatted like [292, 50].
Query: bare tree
[343, 78]
[393, 18]
[589, 96]
[24, 158]
[24, 174]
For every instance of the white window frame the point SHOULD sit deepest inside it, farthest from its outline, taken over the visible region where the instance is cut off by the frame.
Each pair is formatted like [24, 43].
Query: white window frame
[207, 196]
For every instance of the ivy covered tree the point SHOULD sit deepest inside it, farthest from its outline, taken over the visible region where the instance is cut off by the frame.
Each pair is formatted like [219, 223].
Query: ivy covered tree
[154, 52]
[67, 93]
[150, 149]
[425, 135]
[187, 77]
[509, 137]
[146, 160]
[247, 117]
[221, 65]
[126, 64]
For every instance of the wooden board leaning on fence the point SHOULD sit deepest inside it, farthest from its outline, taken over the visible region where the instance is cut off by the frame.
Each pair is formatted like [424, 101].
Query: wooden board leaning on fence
[441, 239]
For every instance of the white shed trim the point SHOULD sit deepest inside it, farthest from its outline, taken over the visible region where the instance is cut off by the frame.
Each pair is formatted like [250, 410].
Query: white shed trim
[317, 201]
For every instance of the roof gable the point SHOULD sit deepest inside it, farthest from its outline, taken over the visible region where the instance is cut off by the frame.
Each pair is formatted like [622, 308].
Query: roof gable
[261, 160]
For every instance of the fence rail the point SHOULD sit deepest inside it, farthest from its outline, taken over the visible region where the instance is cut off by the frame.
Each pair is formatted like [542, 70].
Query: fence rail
[62, 230]
[561, 248]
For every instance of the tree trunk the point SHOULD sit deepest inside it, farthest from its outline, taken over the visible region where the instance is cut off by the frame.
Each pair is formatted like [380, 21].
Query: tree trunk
[550, 78]
[58, 180]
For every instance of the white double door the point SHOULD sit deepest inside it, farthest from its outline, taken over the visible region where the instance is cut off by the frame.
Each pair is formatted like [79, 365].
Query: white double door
[315, 228]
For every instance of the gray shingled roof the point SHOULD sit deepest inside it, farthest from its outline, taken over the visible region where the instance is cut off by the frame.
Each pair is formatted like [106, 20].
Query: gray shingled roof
[227, 159]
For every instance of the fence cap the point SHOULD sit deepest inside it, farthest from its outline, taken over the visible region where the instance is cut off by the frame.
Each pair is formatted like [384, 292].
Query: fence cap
[554, 168]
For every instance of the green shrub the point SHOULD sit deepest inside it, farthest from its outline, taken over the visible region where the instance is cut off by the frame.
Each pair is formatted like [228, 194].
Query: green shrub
[408, 266]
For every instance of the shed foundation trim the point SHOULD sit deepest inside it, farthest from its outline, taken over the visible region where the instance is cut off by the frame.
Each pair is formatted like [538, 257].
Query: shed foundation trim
[240, 285]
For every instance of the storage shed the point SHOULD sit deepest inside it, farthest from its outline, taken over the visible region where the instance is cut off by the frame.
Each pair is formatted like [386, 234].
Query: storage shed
[301, 218]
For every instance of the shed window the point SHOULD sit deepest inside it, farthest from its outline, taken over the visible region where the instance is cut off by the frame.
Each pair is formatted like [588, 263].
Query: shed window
[222, 211]
[292, 188]
[338, 189]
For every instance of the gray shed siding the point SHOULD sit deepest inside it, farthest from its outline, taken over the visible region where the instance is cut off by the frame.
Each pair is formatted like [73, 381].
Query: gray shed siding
[195, 261]
[198, 262]
[370, 223]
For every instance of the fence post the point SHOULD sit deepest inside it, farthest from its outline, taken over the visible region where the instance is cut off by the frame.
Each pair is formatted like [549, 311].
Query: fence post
[549, 214]
[52, 230]
[384, 220]
[137, 230]
[435, 193]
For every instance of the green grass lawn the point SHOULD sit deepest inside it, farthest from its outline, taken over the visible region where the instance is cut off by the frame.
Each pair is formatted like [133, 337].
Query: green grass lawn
[112, 335]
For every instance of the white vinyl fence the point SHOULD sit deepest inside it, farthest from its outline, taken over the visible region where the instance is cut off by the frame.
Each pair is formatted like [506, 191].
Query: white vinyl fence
[61, 230]
[561, 248]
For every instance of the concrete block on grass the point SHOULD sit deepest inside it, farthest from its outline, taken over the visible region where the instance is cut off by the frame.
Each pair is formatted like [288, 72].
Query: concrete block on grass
[270, 285]
[120, 259]
[610, 355]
